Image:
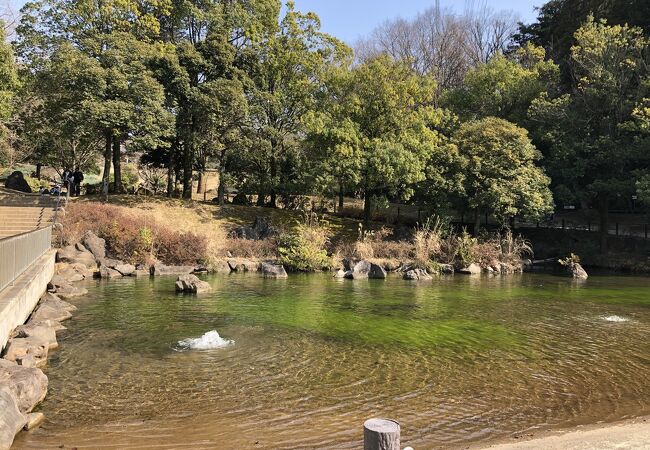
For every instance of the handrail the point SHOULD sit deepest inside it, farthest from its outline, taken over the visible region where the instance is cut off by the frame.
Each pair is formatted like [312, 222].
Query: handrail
[20, 251]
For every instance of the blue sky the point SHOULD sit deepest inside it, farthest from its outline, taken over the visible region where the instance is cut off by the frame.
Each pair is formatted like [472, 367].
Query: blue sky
[351, 19]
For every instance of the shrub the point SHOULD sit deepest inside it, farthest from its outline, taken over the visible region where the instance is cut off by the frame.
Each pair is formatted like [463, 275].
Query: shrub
[304, 248]
[133, 239]
[465, 249]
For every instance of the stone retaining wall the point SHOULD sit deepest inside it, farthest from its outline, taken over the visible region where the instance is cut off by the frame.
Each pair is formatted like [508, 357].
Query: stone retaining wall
[18, 300]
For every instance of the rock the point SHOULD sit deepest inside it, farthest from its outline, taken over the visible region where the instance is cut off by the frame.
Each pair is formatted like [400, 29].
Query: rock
[274, 271]
[49, 311]
[221, 266]
[416, 275]
[347, 275]
[17, 182]
[108, 273]
[28, 352]
[71, 255]
[339, 273]
[27, 384]
[109, 262]
[261, 229]
[446, 269]
[39, 330]
[506, 269]
[94, 244]
[69, 291]
[55, 301]
[141, 273]
[74, 272]
[161, 269]
[348, 264]
[56, 281]
[125, 269]
[472, 269]
[361, 269]
[80, 247]
[578, 272]
[11, 419]
[34, 420]
[191, 283]
[376, 272]
[242, 265]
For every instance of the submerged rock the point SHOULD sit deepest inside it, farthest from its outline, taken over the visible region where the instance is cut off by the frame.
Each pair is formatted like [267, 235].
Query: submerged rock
[377, 272]
[70, 291]
[446, 269]
[27, 384]
[243, 265]
[365, 269]
[274, 271]
[125, 269]
[107, 273]
[11, 419]
[339, 273]
[192, 284]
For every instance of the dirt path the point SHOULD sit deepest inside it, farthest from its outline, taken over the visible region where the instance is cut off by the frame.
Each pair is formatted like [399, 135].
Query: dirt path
[633, 434]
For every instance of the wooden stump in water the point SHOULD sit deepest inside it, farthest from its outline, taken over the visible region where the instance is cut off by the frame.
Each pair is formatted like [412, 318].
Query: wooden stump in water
[381, 434]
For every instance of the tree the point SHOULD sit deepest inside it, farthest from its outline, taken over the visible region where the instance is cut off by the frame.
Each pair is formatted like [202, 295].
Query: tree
[9, 84]
[504, 86]
[381, 134]
[500, 171]
[592, 134]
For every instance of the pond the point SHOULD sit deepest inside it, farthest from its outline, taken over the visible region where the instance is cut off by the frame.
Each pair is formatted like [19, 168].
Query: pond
[462, 360]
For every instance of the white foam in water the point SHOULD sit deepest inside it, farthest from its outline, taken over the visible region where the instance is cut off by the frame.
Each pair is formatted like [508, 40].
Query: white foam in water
[208, 341]
[616, 319]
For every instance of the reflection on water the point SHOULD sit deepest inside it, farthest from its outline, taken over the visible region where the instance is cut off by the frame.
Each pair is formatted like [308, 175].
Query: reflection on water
[459, 360]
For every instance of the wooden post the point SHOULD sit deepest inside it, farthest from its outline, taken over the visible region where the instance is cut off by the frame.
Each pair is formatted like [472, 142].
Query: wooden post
[381, 434]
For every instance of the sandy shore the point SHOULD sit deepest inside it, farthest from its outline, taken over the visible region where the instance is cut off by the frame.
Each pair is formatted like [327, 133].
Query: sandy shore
[631, 434]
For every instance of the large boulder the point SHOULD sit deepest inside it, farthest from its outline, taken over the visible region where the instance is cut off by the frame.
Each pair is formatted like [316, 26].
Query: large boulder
[274, 271]
[74, 272]
[125, 269]
[446, 269]
[191, 284]
[161, 269]
[94, 244]
[50, 311]
[28, 384]
[11, 419]
[377, 272]
[72, 255]
[339, 273]
[28, 352]
[39, 330]
[221, 266]
[17, 182]
[416, 275]
[67, 291]
[261, 229]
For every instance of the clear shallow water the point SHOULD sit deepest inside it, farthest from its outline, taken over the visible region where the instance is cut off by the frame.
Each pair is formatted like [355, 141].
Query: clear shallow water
[461, 360]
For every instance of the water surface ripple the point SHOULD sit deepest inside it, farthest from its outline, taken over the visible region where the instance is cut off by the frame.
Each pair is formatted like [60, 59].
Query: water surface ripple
[457, 361]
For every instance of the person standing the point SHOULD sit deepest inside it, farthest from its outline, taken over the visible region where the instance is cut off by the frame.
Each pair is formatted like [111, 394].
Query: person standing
[78, 178]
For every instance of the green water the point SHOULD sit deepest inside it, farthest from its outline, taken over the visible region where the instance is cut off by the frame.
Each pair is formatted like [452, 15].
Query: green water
[458, 360]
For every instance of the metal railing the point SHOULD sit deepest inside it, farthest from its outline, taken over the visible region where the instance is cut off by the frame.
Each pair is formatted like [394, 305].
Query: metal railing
[19, 252]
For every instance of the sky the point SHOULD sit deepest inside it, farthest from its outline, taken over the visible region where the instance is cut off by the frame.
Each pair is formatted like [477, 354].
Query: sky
[351, 19]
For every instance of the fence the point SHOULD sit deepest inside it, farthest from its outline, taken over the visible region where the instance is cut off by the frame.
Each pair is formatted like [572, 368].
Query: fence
[18, 252]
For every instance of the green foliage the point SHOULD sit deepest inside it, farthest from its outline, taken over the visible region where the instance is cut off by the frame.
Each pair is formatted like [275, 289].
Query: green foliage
[465, 249]
[303, 249]
[500, 174]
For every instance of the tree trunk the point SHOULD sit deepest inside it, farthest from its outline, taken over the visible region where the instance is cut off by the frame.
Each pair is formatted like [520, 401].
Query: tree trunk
[38, 171]
[261, 198]
[203, 180]
[274, 172]
[108, 150]
[477, 221]
[221, 190]
[367, 207]
[117, 166]
[170, 173]
[603, 213]
[381, 434]
[340, 197]
[188, 160]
